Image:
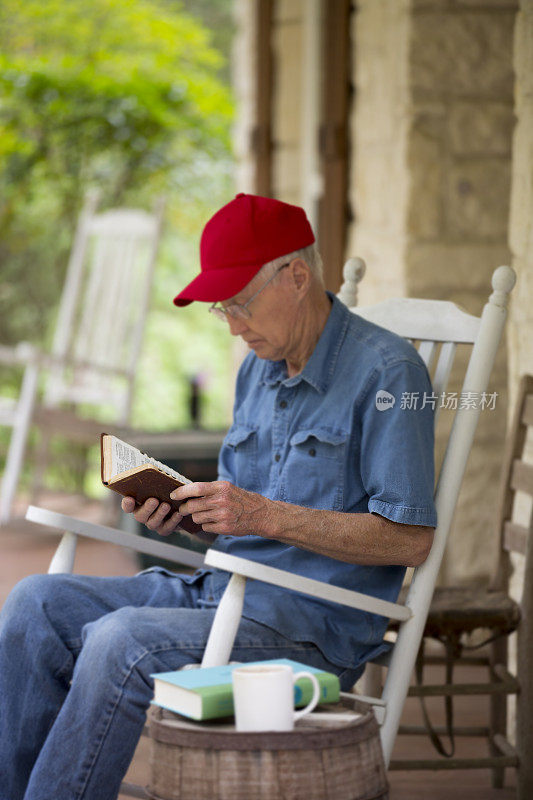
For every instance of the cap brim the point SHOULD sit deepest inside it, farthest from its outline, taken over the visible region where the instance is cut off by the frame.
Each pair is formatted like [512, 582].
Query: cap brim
[214, 285]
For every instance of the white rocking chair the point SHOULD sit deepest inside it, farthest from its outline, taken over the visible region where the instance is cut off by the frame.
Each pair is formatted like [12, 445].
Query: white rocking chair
[437, 326]
[97, 340]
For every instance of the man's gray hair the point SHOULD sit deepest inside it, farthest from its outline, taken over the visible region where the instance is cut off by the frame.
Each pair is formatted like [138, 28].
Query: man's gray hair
[309, 254]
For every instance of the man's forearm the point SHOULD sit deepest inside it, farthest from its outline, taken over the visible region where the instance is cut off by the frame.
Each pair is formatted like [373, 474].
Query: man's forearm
[221, 507]
[355, 538]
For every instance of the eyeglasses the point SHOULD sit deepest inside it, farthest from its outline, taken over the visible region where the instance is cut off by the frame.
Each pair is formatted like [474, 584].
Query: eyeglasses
[238, 310]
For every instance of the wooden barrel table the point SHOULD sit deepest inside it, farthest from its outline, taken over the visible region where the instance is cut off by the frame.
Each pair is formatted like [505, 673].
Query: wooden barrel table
[321, 758]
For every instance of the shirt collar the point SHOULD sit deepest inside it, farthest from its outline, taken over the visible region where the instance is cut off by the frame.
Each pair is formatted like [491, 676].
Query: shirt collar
[318, 372]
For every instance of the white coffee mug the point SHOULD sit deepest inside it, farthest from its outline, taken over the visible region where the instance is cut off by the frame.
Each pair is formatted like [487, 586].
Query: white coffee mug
[263, 696]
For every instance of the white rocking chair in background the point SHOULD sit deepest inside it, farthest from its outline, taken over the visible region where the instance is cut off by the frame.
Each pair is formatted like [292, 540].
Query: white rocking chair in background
[439, 327]
[98, 337]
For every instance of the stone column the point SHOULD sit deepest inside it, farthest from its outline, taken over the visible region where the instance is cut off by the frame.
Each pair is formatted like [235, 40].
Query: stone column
[287, 42]
[520, 326]
[430, 191]
[520, 330]
[379, 179]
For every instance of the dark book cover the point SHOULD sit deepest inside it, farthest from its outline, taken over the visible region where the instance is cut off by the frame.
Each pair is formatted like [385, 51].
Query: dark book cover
[148, 482]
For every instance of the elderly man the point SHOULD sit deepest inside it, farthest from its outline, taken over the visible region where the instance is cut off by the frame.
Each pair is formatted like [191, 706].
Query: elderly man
[316, 476]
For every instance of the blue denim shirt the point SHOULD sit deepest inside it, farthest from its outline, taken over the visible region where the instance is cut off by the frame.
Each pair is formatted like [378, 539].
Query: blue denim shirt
[331, 437]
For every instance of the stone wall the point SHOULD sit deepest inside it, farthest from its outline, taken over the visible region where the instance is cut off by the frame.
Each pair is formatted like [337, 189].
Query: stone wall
[287, 45]
[379, 180]
[520, 329]
[432, 127]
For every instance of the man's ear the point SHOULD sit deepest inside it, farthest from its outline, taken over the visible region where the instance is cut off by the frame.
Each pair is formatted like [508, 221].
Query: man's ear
[301, 274]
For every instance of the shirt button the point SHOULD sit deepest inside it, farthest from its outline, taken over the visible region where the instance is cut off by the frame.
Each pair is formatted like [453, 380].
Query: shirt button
[283, 404]
[312, 452]
[277, 457]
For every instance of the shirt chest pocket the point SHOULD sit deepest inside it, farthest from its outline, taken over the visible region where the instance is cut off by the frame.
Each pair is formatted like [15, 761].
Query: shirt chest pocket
[239, 456]
[314, 472]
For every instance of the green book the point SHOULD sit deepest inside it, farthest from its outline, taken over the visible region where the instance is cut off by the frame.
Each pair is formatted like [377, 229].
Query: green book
[207, 692]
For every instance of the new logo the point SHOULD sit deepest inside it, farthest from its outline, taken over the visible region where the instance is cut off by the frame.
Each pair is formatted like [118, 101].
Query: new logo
[384, 400]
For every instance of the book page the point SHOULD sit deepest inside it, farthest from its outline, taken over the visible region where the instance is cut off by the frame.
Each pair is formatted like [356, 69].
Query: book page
[124, 456]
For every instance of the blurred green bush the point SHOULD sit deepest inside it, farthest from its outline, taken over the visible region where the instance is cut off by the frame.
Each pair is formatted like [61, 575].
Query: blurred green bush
[132, 97]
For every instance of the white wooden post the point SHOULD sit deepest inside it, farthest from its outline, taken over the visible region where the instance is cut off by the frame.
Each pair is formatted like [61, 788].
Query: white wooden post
[67, 308]
[159, 211]
[63, 558]
[353, 272]
[225, 624]
[17, 444]
[449, 484]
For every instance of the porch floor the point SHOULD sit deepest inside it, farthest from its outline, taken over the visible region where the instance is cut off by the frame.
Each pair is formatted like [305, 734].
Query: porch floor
[25, 551]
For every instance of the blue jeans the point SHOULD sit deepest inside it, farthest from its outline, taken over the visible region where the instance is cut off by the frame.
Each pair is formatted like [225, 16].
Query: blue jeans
[76, 654]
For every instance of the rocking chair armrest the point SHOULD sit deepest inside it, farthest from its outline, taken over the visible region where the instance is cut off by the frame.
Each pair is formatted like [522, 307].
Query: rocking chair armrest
[298, 583]
[25, 353]
[19, 355]
[52, 519]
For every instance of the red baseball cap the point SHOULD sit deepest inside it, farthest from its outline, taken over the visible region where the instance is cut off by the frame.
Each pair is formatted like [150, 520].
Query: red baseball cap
[239, 239]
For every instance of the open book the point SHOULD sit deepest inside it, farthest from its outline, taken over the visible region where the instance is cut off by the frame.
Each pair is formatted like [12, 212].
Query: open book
[134, 474]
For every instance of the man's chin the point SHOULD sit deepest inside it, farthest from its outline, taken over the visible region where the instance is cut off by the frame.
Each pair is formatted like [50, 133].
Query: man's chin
[256, 346]
[262, 349]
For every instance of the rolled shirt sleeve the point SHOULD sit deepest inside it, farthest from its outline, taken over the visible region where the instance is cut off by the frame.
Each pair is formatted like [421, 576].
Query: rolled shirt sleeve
[397, 439]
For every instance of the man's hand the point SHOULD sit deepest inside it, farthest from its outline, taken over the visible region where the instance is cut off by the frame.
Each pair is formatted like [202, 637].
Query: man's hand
[152, 513]
[220, 507]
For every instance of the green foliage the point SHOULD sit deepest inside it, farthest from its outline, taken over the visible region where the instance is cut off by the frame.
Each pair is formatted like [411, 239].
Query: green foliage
[218, 17]
[115, 93]
[132, 97]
